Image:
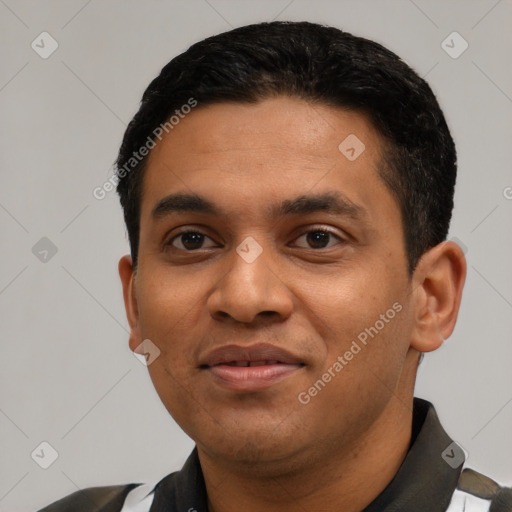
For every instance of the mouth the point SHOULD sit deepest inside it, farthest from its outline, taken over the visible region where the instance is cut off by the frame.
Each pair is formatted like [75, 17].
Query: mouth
[242, 364]
[251, 368]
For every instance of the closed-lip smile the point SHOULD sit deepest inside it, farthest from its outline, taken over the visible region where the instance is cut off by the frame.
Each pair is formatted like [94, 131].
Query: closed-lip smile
[250, 368]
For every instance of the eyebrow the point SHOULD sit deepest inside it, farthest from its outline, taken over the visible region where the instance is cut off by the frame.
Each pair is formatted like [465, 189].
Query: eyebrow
[330, 202]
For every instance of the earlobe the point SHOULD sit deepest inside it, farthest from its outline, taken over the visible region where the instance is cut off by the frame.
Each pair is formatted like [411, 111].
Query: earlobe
[127, 275]
[438, 282]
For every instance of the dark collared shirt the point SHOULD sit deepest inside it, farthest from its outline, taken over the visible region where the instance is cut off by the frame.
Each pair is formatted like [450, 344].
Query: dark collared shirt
[429, 480]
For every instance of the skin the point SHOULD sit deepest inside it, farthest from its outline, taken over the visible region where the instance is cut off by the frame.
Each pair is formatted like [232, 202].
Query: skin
[265, 450]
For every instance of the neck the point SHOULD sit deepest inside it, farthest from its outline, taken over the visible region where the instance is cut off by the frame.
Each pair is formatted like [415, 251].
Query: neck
[347, 479]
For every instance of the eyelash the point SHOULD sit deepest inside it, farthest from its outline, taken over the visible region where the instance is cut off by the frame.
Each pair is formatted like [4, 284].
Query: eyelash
[315, 230]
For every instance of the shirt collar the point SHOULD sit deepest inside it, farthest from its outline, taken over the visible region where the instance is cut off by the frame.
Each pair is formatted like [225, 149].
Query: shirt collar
[424, 482]
[429, 473]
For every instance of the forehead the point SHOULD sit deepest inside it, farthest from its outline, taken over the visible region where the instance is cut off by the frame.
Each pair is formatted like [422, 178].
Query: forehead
[305, 127]
[278, 148]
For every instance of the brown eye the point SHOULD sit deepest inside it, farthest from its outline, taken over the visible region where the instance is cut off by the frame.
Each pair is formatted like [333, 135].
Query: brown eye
[319, 238]
[189, 241]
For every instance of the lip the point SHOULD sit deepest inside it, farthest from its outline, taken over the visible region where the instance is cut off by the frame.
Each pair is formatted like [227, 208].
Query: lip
[264, 366]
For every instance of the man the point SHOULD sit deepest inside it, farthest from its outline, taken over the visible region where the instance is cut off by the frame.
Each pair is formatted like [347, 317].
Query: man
[287, 190]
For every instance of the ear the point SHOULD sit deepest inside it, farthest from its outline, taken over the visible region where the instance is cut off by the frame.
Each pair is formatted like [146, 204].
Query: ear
[127, 275]
[438, 281]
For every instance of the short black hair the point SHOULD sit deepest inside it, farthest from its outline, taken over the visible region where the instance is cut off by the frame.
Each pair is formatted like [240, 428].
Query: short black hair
[321, 64]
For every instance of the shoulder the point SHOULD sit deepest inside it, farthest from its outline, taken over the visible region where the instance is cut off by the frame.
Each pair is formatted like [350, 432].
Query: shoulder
[480, 493]
[92, 499]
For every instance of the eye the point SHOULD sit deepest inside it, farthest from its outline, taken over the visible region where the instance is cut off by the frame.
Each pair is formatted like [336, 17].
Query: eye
[189, 241]
[319, 238]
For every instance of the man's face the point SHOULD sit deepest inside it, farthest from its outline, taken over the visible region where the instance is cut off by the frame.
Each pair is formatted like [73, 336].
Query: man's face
[276, 274]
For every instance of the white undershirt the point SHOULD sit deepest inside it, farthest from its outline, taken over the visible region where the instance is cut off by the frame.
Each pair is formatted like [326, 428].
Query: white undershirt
[139, 499]
[464, 502]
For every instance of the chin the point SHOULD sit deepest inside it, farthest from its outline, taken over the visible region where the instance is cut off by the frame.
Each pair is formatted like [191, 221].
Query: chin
[253, 442]
[255, 455]
[268, 457]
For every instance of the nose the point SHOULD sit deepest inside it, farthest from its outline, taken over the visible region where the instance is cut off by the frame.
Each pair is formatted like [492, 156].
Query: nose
[250, 289]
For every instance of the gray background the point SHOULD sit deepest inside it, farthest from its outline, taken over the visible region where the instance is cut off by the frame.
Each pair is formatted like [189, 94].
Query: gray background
[67, 374]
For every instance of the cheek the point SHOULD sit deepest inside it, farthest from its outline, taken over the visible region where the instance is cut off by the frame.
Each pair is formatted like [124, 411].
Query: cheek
[166, 299]
[340, 306]
[363, 366]
[364, 318]
[168, 312]
[169, 309]
[179, 396]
